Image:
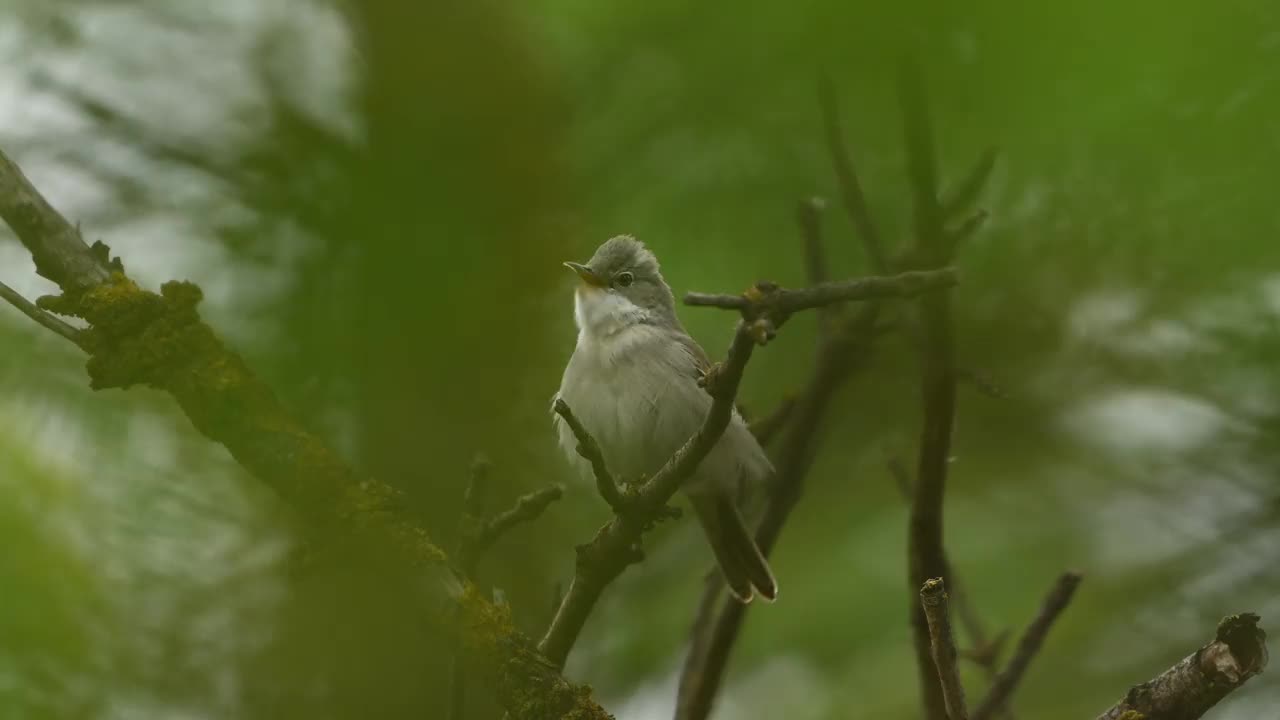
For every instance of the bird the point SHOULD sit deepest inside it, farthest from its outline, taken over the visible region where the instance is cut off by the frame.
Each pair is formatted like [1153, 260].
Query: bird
[633, 383]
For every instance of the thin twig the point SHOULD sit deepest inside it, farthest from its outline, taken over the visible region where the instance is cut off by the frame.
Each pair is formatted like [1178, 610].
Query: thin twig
[589, 449]
[1007, 681]
[942, 642]
[983, 652]
[1188, 689]
[851, 195]
[809, 217]
[786, 300]
[47, 319]
[961, 199]
[527, 509]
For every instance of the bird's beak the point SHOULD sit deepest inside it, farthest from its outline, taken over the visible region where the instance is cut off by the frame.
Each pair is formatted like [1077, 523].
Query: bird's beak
[587, 275]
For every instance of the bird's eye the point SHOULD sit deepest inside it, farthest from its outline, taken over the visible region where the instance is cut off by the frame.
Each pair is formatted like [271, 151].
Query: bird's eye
[624, 279]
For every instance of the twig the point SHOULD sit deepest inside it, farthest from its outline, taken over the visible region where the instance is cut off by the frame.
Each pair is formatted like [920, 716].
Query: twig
[47, 319]
[809, 217]
[983, 652]
[933, 601]
[1188, 689]
[527, 509]
[1007, 681]
[785, 301]
[589, 449]
[855, 202]
[229, 404]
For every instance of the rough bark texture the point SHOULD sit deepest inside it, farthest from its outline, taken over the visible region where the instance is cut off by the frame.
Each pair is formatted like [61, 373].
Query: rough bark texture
[1187, 690]
[136, 337]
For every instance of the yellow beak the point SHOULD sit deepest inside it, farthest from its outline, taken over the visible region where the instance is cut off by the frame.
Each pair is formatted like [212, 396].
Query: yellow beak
[587, 275]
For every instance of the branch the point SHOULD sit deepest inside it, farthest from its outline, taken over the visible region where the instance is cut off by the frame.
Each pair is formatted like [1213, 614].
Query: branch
[844, 350]
[1187, 690]
[527, 509]
[933, 600]
[1007, 681]
[48, 320]
[616, 545]
[984, 651]
[935, 246]
[855, 203]
[589, 449]
[784, 301]
[138, 337]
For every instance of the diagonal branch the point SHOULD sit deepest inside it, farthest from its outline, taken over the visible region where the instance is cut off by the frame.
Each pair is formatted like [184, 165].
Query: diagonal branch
[1187, 690]
[1007, 681]
[48, 320]
[935, 246]
[138, 337]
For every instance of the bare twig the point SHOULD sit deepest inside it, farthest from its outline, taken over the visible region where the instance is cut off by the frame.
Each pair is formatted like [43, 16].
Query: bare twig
[942, 642]
[589, 449]
[809, 217]
[48, 320]
[1007, 681]
[1187, 690]
[851, 195]
[785, 301]
[527, 509]
[983, 651]
[227, 403]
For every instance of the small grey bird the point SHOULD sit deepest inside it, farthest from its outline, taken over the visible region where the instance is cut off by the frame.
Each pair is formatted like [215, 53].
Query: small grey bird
[633, 383]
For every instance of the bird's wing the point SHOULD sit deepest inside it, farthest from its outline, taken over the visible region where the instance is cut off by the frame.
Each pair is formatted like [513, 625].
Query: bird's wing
[698, 357]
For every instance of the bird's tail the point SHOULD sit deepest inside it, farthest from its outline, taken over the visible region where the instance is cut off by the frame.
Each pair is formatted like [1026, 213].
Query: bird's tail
[741, 562]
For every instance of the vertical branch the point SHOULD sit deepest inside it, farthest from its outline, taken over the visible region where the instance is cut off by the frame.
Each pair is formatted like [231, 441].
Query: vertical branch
[926, 558]
[942, 642]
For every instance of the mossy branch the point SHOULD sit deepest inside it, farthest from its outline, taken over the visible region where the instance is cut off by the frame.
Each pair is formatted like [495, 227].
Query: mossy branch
[137, 337]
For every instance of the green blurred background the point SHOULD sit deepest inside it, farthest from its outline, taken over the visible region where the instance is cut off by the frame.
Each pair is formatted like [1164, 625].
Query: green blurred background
[376, 197]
